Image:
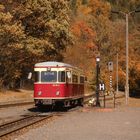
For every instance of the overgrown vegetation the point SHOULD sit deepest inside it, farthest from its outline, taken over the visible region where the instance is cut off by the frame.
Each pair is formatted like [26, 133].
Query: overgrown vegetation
[74, 31]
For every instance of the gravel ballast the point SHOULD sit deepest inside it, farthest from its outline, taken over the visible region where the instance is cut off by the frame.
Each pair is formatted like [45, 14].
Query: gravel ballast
[90, 124]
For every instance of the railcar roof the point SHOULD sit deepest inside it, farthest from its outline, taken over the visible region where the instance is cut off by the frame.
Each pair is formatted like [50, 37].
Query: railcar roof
[56, 64]
[52, 64]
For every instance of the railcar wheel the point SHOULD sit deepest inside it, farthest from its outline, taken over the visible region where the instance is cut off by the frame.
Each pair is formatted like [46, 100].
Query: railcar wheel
[59, 106]
[81, 102]
[39, 107]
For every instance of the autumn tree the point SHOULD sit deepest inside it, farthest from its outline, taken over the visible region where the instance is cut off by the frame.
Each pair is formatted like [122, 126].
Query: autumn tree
[134, 40]
[11, 42]
[74, 31]
[47, 24]
[38, 30]
[90, 28]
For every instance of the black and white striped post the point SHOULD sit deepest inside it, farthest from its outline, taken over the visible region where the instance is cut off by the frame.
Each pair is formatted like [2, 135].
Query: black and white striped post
[110, 81]
[110, 67]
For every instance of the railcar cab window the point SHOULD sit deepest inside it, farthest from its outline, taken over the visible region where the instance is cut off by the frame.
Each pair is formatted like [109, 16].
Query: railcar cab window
[74, 78]
[61, 76]
[36, 75]
[48, 76]
[68, 76]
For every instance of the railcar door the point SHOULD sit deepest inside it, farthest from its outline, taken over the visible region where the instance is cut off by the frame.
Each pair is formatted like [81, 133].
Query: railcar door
[69, 85]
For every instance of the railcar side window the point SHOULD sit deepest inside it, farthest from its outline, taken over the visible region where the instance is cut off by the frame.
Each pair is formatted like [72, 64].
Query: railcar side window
[74, 78]
[61, 76]
[81, 79]
[36, 76]
[48, 76]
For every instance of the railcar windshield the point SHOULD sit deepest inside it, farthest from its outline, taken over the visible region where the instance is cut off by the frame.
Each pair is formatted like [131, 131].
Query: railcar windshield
[48, 76]
[36, 76]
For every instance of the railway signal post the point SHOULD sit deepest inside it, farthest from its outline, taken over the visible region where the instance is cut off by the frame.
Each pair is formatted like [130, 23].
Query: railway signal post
[110, 68]
[102, 90]
[97, 81]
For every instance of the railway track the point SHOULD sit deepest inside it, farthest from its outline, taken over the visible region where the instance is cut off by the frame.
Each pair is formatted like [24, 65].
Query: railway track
[86, 98]
[13, 126]
[22, 103]
[16, 125]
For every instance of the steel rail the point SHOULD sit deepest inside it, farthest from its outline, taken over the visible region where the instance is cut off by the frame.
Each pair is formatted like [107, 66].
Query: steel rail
[19, 124]
[16, 125]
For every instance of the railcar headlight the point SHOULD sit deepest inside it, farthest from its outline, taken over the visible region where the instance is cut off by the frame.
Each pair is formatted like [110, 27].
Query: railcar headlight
[57, 93]
[39, 93]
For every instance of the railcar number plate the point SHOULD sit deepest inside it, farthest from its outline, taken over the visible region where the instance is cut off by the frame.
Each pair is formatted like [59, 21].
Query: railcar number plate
[48, 101]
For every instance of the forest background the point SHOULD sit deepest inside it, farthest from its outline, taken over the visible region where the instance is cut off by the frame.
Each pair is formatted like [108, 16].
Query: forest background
[71, 31]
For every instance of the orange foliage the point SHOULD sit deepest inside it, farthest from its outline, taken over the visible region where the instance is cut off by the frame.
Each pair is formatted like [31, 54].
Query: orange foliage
[76, 30]
[80, 27]
[84, 34]
[138, 67]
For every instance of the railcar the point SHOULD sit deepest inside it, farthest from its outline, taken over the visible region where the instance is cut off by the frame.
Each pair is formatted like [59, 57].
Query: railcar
[58, 83]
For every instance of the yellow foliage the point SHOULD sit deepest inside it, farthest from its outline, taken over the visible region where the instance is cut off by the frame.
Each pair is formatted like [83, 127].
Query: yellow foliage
[85, 10]
[99, 7]
[1, 7]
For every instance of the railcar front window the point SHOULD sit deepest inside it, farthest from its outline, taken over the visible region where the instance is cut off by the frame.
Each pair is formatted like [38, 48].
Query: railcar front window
[36, 76]
[48, 76]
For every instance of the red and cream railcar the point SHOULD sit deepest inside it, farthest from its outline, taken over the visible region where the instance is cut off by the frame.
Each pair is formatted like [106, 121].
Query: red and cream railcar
[58, 83]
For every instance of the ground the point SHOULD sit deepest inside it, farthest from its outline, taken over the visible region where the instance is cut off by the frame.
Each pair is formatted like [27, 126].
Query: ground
[87, 123]
[90, 123]
[21, 94]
